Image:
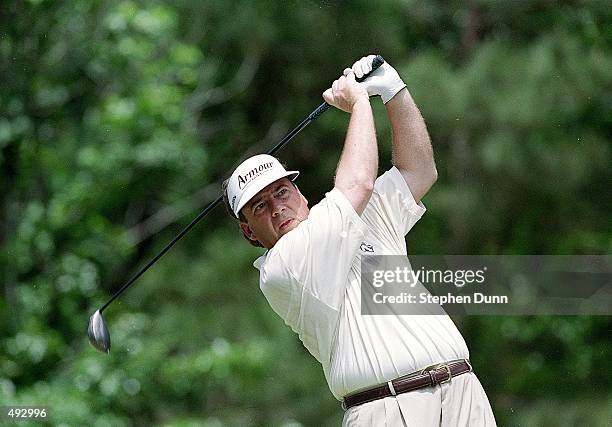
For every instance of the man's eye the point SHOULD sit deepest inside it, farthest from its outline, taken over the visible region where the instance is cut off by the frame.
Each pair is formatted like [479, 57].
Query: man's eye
[282, 191]
[259, 207]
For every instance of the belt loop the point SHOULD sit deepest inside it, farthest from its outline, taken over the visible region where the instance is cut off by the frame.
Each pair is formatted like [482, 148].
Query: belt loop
[432, 377]
[391, 388]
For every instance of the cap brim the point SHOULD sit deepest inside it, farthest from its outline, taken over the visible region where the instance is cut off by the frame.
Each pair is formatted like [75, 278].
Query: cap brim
[258, 186]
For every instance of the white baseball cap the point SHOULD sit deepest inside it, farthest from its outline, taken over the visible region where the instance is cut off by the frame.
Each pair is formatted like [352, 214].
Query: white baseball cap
[252, 176]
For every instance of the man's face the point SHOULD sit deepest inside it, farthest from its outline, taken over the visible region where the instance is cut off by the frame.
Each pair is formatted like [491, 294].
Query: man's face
[273, 212]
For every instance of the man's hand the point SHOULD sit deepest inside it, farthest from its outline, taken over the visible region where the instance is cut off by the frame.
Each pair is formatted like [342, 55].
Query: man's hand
[384, 81]
[345, 92]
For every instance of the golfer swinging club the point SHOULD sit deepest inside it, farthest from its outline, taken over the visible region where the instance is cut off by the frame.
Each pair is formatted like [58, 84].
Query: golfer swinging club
[387, 370]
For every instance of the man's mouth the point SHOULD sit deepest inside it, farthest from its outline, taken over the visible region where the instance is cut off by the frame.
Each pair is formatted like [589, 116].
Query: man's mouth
[283, 226]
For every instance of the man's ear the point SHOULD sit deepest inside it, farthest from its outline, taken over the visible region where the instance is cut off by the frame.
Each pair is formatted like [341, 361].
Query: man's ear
[247, 232]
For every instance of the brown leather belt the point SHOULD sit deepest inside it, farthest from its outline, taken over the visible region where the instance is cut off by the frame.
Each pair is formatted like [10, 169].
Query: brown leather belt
[429, 376]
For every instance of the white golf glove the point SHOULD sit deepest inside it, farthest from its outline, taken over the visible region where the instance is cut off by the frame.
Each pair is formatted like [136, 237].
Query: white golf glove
[384, 81]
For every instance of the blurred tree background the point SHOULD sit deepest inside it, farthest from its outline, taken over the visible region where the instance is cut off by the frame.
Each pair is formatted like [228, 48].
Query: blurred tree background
[118, 120]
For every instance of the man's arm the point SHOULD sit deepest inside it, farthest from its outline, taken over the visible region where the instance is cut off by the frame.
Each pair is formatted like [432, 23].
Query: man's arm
[412, 151]
[358, 165]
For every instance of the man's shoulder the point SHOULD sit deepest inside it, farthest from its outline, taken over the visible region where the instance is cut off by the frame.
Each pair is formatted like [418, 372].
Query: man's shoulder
[275, 265]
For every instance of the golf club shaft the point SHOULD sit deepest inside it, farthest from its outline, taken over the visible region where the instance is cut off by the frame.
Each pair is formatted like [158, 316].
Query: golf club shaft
[316, 113]
[377, 62]
[178, 237]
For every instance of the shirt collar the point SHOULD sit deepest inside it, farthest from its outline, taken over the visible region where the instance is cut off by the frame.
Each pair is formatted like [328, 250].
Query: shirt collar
[260, 261]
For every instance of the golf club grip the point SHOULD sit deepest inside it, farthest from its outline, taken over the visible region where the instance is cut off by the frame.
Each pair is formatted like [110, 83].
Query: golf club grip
[376, 63]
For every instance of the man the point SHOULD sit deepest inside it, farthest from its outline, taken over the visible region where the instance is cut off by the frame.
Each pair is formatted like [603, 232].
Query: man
[387, 370]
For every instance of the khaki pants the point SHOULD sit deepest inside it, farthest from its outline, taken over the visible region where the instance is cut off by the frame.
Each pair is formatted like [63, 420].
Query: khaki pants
[462, 402]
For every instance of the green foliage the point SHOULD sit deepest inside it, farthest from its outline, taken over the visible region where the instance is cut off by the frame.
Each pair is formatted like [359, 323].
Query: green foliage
[117, 118]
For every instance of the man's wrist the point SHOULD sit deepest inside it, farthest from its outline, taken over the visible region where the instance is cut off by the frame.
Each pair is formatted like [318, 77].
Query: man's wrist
[397, 97]
[361, 101]
[390, 92]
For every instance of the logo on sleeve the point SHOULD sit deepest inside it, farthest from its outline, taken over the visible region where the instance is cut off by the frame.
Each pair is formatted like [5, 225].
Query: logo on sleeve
[366, 247]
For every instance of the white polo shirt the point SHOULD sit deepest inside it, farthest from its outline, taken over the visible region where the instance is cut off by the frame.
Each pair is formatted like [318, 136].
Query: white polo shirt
[311, 278]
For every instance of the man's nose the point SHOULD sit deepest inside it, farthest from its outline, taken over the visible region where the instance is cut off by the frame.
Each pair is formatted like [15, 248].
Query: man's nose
[277, 208]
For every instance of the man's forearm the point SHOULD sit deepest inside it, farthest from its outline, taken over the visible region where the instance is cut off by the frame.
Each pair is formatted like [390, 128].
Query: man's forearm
[412, 151]
[358, 165]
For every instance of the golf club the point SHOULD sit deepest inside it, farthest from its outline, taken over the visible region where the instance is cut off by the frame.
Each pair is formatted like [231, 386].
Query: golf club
[97, 331]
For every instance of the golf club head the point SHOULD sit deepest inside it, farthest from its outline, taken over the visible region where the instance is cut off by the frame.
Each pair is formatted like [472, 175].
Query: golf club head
[98, 333]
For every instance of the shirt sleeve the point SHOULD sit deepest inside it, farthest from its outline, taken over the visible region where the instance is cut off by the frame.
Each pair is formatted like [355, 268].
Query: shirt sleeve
[392, 210]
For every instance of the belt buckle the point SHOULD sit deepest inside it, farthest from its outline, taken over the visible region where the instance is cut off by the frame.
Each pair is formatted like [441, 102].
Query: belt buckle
[450, 375]
[430, 368]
